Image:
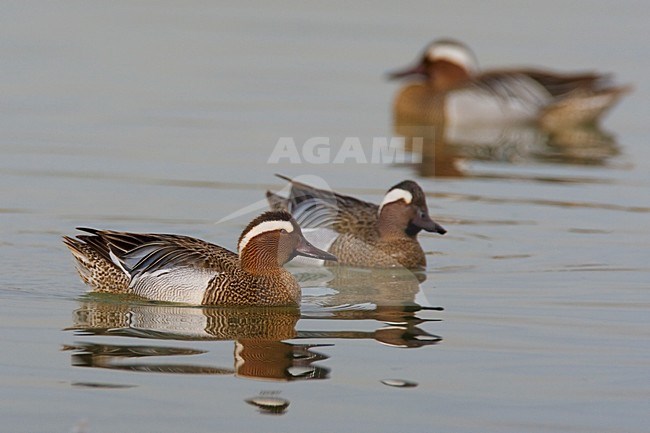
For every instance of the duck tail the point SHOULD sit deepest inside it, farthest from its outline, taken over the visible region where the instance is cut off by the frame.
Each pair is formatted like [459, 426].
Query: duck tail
[581, 107]
[94, 265]
[79, 251]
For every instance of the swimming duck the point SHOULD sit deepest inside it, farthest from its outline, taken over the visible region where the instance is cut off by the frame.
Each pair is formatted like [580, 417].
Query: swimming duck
[453, 91]
[359, 233]
[173, 268]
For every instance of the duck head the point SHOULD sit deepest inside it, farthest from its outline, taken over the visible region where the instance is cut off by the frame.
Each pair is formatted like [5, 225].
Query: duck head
[444, 64]
[404, 211]
[271, 240]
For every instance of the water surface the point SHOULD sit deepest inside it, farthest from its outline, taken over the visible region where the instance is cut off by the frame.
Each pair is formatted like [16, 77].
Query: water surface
[162, 118]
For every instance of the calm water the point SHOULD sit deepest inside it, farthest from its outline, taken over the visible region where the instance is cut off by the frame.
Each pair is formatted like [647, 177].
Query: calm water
[162, 117]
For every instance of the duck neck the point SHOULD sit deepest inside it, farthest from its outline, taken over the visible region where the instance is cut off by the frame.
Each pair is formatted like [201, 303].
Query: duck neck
[391, 224]
[445, 75]
[260, 257]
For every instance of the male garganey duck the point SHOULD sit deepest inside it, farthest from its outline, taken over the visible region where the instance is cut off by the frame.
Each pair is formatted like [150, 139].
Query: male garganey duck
[452, 91]
[359, 233]
[175, 268]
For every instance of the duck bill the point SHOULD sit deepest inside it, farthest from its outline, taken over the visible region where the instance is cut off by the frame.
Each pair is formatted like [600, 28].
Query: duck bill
[426, 223]
[419, 69]
[306, 249]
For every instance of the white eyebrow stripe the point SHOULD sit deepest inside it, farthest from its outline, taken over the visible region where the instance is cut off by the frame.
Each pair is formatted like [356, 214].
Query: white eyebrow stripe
[396, 195]
[454, 55]
[263, 227]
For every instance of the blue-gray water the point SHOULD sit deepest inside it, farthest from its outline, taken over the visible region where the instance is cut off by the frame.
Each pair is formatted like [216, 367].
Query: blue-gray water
[162, 116]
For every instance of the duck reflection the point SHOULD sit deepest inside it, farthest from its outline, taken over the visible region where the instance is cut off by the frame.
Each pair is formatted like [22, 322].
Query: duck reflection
[387, 295]
[267, 343]
[443, 152]
[260, 351]
[392, 297]
[113, 357]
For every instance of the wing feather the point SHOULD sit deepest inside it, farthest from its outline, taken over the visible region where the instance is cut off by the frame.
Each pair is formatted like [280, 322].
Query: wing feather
[138, 254]
[318, 208]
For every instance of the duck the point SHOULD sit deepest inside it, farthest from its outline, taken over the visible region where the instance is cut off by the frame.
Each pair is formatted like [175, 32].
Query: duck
[451, 90]
[359, 233]
[182, 269]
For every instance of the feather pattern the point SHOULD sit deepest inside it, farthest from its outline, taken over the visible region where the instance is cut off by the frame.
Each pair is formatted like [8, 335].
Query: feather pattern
[360, 233]
[178, 268]
[514, 86]
[314, 207]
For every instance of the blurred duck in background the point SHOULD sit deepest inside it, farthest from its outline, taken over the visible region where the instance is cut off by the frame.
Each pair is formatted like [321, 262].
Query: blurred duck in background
[451, 90]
